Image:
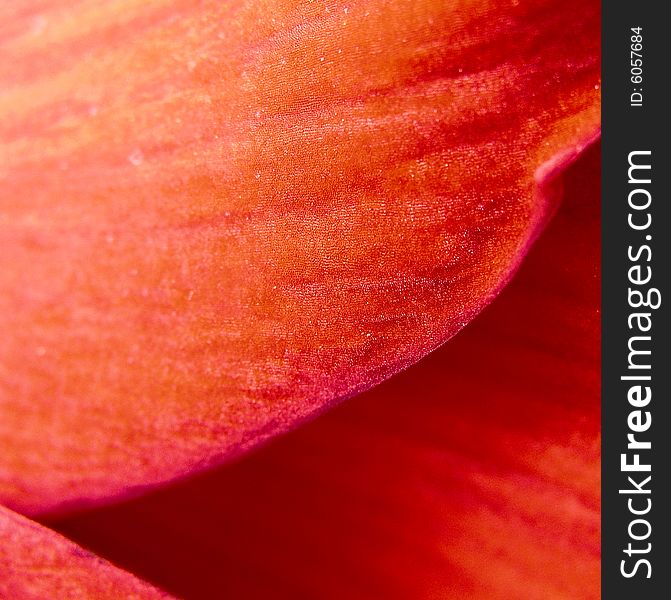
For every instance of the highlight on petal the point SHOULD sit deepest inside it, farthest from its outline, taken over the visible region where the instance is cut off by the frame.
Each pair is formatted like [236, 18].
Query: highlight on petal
[38, 564]
[219, 218]
[474, 474]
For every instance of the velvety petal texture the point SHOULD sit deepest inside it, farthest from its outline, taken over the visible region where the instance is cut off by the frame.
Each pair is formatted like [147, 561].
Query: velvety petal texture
[472, 475]
[38, 564]
[218, 218]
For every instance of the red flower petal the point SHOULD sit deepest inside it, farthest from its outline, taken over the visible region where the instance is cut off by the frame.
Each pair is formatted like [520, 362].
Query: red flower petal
[474, 474]
[38, 564]
[218, 218]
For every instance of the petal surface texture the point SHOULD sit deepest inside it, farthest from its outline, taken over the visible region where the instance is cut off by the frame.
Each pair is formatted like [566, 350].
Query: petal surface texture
[474, 474]
[217, 219]
[38, 564]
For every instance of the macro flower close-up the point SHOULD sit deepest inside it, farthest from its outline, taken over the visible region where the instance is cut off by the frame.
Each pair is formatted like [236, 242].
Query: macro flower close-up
[300, 299]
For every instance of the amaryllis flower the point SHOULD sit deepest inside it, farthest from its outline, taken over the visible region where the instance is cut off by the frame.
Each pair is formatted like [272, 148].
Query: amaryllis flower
[218, 220]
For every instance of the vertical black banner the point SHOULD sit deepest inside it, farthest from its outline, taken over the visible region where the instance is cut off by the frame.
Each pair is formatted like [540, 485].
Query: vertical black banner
[636, 417]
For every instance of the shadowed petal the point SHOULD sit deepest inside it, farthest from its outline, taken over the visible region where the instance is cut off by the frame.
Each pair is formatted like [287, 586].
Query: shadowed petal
[38, 564]
[219, 218]
[474, 474]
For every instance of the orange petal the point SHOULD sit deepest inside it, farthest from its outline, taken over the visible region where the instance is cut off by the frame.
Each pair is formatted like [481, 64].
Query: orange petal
[218, 218]
[38, 564]
[474, 474]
